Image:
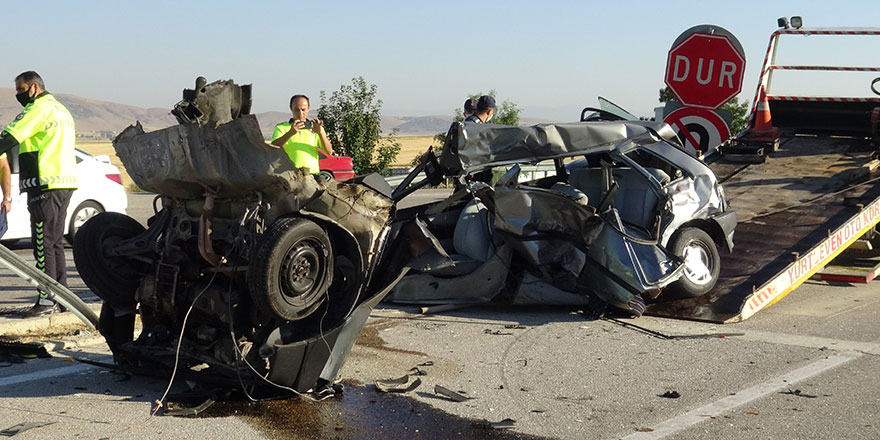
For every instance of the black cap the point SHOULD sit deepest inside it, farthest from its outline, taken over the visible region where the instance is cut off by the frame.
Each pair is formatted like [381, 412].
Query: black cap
[470, 105]
[486, 102]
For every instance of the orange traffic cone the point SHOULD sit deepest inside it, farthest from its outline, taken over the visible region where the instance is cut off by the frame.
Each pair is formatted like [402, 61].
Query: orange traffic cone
[763, 128]
[763, 135]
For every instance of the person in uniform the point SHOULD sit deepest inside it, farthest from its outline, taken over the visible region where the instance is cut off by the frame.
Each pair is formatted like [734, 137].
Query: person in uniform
[470, 106]
[485, 110]
[45, 134]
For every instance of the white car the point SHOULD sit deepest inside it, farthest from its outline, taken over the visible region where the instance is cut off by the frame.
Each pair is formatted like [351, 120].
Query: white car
[99, 190]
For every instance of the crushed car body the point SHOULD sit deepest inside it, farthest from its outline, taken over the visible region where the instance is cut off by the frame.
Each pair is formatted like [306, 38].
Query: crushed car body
[626, 215]
[255, 275]
[252, 273]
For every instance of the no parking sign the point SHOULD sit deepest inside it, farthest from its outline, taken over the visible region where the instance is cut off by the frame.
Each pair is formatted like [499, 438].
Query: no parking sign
[698, 128]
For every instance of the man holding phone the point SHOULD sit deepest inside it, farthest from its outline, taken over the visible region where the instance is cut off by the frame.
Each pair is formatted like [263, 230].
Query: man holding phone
[301, 137]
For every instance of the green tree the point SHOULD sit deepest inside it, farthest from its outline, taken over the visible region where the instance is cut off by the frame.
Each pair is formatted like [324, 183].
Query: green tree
[352, 121]
[739, 110]
[505, 114]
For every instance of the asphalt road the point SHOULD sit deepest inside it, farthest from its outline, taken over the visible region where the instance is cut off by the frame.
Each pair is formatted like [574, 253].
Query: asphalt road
[802, 369]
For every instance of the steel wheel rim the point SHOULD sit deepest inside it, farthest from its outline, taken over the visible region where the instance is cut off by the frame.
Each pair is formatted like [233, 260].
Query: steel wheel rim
[301, 271]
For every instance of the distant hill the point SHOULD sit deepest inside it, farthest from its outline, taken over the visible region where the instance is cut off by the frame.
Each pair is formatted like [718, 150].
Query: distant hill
[431, 125]
[94, 118]
[103, 119]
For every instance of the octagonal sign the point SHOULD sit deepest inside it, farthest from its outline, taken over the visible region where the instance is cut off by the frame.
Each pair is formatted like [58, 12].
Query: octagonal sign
[705, 70]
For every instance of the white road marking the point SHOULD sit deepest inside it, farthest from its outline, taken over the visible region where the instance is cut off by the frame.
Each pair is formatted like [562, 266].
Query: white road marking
[691, 418]
[45, 374]
[812, 341]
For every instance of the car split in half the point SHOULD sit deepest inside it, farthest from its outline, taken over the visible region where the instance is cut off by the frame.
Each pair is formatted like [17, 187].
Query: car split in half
[626, 215]
[256, 275]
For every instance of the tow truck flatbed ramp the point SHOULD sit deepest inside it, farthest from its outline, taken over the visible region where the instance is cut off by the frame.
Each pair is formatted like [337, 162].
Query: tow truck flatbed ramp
[796, 213]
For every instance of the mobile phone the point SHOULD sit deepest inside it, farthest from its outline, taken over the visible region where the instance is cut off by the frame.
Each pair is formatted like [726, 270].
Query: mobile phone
[307, 123]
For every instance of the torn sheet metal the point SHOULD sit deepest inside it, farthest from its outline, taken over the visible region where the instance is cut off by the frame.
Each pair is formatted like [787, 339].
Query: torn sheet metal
[403, 384]
[470, 146]
[449, 394]
[478, 286]
[232, 158]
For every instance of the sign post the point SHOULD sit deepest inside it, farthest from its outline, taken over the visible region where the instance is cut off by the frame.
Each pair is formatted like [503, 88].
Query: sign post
[698, 128]
[704, 70]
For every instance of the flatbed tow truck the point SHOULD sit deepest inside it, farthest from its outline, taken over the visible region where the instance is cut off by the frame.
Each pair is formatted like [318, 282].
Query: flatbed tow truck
[802, 199]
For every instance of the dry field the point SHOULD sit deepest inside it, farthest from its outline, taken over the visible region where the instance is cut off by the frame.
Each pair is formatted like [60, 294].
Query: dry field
[410, 148]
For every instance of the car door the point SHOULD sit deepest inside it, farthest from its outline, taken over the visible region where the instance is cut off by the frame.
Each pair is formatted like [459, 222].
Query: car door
[18, 219]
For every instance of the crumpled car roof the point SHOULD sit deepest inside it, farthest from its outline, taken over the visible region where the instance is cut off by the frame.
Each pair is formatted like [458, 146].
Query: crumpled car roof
[180, 161]
[472, 146]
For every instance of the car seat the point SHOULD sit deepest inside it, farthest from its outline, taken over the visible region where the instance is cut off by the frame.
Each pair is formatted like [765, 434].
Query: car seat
[636, 201]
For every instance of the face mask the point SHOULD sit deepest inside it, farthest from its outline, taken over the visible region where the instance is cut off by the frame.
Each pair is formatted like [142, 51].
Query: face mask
[23, 97]
[489, 118]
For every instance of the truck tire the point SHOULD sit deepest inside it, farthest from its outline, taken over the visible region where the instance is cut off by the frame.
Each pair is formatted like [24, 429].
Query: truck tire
[291, 269]
[701, 259]
[113, 279]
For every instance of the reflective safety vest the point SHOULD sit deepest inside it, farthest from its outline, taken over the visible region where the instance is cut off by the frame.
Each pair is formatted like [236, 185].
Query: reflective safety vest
[46, 133]
[302, 147]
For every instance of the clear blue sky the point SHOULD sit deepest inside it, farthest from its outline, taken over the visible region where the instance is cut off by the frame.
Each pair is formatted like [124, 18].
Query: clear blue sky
[550, 57]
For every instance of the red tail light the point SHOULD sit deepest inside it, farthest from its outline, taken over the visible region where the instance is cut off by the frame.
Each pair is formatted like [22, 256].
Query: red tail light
[114, 177]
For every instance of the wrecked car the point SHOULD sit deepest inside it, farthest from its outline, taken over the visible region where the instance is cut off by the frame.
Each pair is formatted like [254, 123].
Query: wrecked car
[624, 215]
[251, 273]
[255, 275]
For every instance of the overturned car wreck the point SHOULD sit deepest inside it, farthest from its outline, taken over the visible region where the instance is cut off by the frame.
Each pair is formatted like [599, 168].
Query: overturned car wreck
[251, 273]
[623, 215]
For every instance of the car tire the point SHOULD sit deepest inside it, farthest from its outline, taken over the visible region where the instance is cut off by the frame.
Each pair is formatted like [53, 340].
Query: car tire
[291, 269]
[325, 176]
[112, 279]
[701, 259]
[85, 211]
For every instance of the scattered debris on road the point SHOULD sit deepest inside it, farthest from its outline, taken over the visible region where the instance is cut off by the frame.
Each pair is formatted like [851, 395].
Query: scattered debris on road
[22, 427]
[401, 384]
[798, 393]
[451, 395]
[502, 424]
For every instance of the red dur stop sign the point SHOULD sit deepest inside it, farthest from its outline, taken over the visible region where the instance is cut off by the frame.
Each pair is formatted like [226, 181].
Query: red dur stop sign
[705, 70]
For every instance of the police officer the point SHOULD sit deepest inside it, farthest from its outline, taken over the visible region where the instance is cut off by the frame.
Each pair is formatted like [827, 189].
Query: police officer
[470, 107]
[44, 132]
[485, 110]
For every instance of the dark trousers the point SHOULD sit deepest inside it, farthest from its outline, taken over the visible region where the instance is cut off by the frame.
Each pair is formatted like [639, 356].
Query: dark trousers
[47, 235]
